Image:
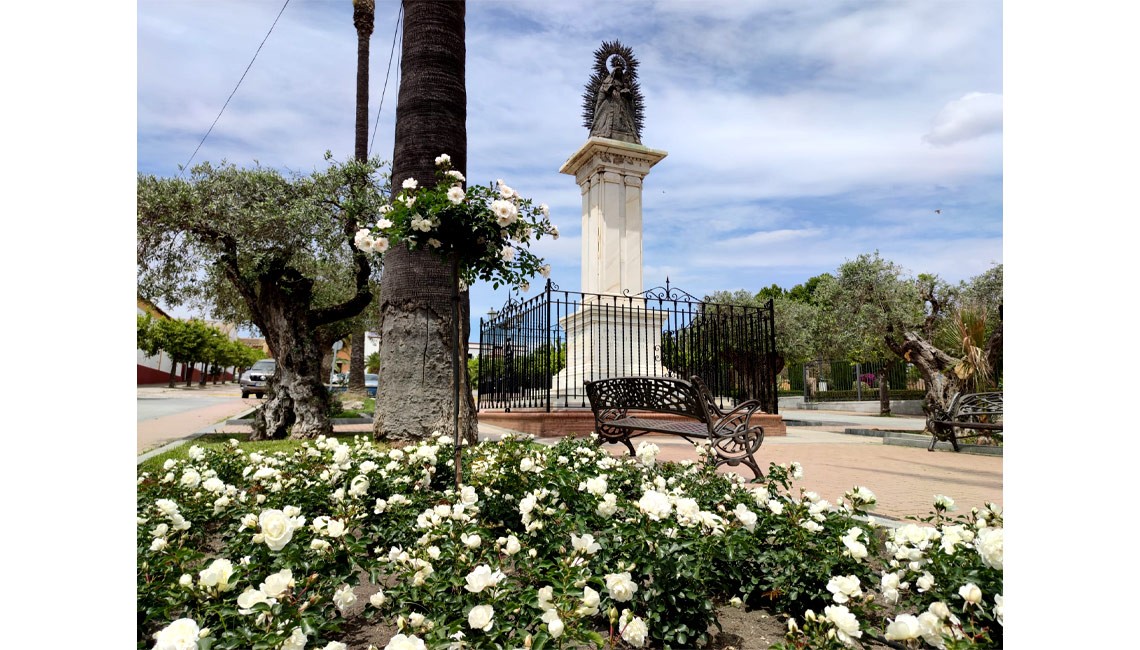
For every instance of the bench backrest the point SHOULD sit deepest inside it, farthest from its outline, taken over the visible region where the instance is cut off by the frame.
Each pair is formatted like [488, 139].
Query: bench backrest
[658, 394]
[976, 404]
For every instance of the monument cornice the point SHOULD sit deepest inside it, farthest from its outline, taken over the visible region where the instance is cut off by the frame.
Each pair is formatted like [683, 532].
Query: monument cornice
[603, 154]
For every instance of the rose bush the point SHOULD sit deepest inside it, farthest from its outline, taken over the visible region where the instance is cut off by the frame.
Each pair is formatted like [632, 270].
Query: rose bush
[486, 230]
[279, 550]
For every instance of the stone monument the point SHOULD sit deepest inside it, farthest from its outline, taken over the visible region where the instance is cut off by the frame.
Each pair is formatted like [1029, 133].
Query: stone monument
[610, 169]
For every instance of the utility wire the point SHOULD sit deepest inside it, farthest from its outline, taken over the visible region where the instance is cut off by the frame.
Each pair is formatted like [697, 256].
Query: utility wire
[391, 53]
[210, 130]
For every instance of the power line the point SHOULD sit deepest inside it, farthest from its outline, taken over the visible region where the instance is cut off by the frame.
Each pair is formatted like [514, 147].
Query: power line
[210, 130]
[391, 53]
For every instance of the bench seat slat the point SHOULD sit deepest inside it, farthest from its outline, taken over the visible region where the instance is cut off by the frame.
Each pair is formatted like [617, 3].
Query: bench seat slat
[696, 429]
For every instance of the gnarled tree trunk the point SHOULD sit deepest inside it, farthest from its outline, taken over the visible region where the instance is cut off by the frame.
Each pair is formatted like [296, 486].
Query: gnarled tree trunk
[296, 396]
[937, 371]
[415, 396]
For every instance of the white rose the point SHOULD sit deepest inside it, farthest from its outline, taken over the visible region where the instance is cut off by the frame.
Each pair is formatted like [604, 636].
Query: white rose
[296, 641]
[843, 588]
[378, 599]
[608, 505]
[647, 453]
[212, 484]
[276, 529]
[999, 609]
[217, 575]
[410, 184]
[344, 598]
[621, 586]
[401, 642]
[179, 635]
[846, 625]
[186, 580]
[319, 545]
[776, 507]
[416, 619]
[585, 543]
[745, 516]
[508, 253]
[970, 593]
[990, 544]
[483, 577]
[655, 505]
[456, 194]
[158, 544]
[471, 541]
[513, 546]
[904, 628]
[276, 584]
[335, 528]
[924, 582]
[334, 645]
[249, 598]
[590, 600]
[481, 617]
[553, 623]
[635, 631]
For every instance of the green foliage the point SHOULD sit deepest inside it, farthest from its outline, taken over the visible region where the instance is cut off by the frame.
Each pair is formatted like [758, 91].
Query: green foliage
[372, 363]
[207, 239]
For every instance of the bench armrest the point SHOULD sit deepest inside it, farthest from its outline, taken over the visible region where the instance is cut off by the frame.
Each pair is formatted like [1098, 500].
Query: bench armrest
[736, 420]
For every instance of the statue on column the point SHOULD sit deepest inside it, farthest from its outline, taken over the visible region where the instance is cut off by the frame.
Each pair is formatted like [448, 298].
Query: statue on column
[611, 106]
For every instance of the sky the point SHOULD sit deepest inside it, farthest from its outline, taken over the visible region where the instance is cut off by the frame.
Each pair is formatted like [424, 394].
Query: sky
[799, 135]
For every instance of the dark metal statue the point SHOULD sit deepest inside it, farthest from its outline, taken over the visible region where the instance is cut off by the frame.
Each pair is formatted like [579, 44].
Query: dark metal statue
[611, 106]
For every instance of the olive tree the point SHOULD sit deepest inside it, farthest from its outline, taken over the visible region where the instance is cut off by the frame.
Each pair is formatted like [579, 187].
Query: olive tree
[276, 251]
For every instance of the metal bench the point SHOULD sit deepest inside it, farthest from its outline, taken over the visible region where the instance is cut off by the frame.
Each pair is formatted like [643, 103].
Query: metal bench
[977, 412]
[731, 434]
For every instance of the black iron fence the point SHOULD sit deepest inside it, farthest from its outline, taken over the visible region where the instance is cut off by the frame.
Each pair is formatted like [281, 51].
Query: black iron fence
[832, 379]
[536, 354]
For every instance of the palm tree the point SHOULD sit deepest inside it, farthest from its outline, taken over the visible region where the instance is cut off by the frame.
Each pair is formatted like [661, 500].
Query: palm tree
[363, 18]
[415, 395]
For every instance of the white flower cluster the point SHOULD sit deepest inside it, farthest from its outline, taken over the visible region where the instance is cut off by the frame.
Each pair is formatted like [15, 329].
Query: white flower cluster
[844, 624]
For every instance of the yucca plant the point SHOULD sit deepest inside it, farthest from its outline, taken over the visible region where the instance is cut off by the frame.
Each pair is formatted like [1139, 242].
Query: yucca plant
[964, 336]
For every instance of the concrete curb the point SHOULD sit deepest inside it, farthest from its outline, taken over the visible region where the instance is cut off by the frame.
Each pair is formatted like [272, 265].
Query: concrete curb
[249, 421]
[913, 440]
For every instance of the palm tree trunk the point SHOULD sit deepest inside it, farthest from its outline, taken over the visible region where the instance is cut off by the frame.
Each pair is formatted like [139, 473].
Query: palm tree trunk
[363, 18]
[415, 395]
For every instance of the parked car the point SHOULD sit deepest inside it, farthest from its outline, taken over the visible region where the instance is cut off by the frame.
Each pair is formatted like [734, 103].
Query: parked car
[255, 381]
[371, 381]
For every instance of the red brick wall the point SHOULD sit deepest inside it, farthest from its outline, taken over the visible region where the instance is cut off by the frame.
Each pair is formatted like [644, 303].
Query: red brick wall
[580, 422]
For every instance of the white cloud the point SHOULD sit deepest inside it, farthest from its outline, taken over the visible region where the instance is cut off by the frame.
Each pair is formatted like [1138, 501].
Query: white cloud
[972, 116]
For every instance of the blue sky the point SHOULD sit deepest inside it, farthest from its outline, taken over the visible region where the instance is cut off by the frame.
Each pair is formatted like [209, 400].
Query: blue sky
[799, 134]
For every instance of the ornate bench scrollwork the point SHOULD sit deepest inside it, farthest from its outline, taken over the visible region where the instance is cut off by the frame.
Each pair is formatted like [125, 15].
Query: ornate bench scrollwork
[732, 435]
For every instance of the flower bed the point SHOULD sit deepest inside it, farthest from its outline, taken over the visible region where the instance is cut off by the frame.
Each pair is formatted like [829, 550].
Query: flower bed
[561, 546]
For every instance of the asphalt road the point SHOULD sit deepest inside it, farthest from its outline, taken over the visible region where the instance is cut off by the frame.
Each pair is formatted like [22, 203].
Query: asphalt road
[156, 402]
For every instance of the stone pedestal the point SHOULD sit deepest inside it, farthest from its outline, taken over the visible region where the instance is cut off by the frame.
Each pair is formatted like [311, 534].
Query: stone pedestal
[610, 174]
[610, 337]
[607, 340]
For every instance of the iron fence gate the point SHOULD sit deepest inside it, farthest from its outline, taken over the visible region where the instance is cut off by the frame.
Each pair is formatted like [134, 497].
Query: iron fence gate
[536, 354]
